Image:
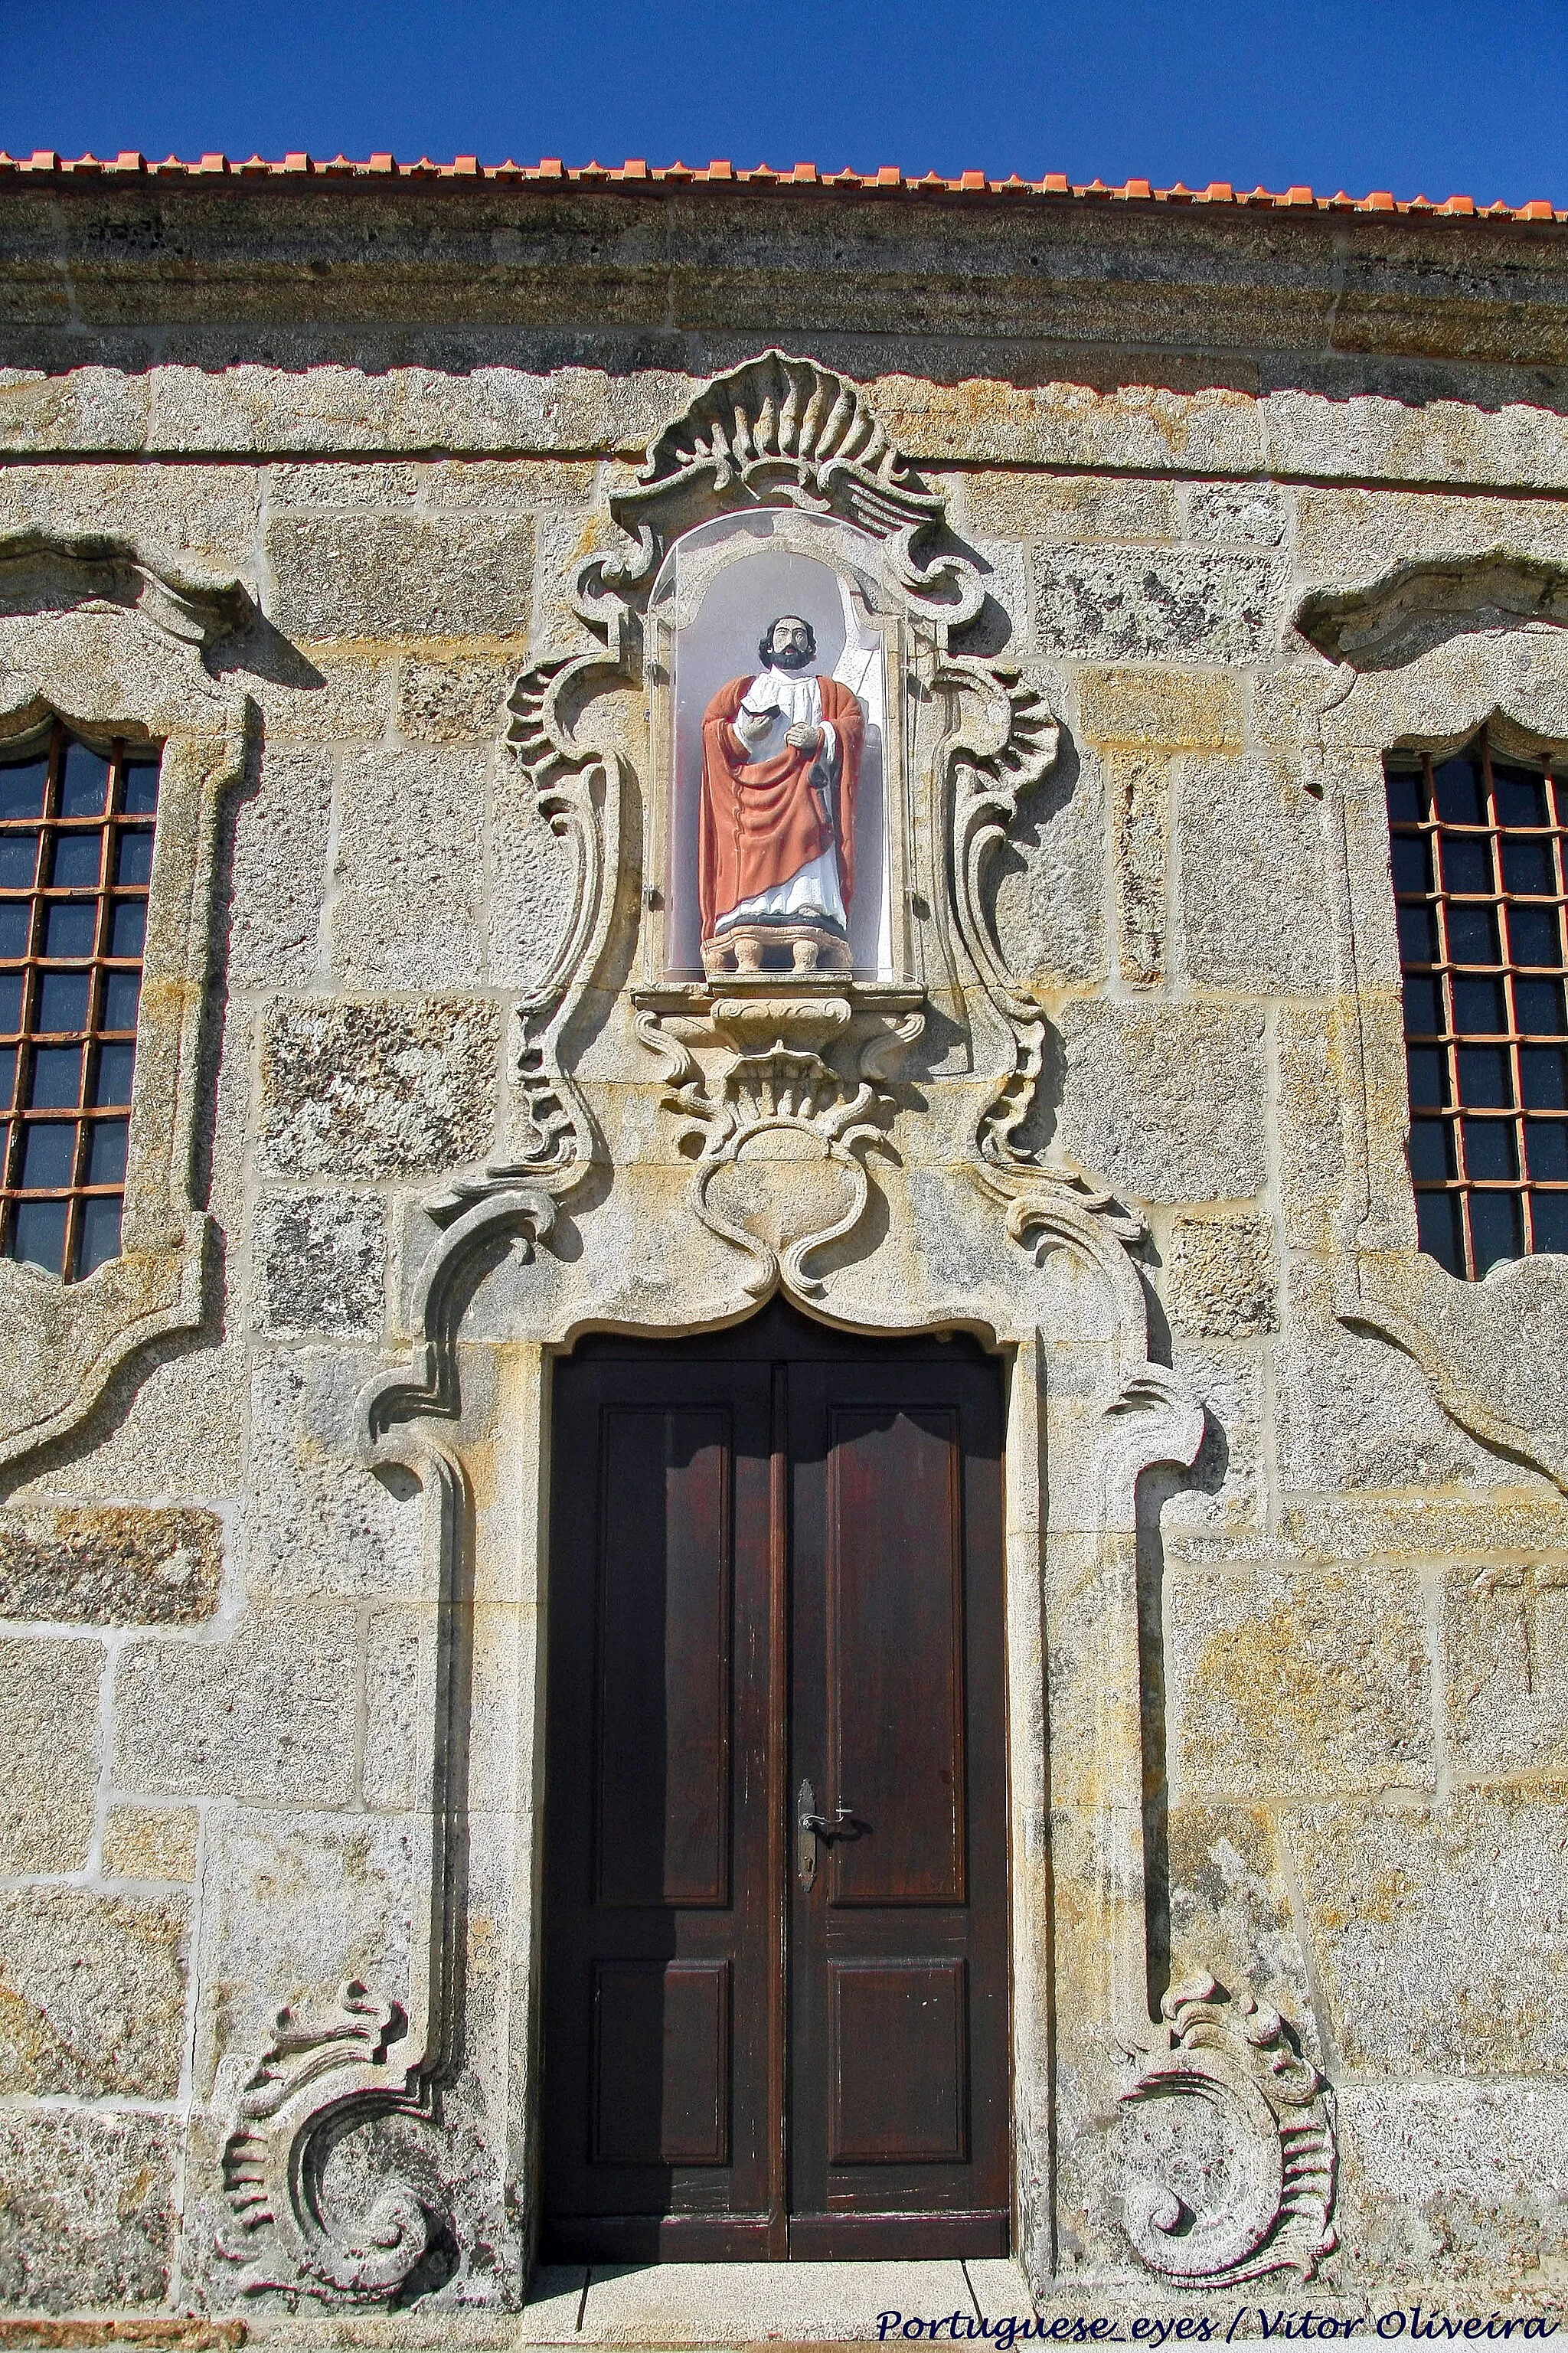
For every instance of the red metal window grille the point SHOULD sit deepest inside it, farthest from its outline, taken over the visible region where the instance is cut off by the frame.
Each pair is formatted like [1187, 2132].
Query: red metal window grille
[1478, 847]
[76, 855]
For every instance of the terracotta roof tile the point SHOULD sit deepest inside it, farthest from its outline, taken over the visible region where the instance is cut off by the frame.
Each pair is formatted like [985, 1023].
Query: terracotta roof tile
[638, 173]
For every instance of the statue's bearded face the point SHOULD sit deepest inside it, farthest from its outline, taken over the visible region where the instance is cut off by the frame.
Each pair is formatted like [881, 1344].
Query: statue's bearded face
[791, 643]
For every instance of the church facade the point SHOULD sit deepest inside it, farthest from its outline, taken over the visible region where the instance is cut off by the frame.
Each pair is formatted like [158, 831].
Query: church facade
[783, 1241]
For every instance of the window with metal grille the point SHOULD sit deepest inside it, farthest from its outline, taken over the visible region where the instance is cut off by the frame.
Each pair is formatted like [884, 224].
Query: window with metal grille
[1478, 845]
[76, 854]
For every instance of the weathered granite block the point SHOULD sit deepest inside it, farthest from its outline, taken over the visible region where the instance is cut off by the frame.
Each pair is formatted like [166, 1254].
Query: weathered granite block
[280, 873]
[87, 2209]
[1294, 1680]
[1230, 1907]
[1252, 512]
[151, 1842]
[1223, 1277]
[1255, 902]
[110, 1565]
[321, 1261]
[1458, 2182]
[317, 1523]
[1354, 1411]
[359, 576]
[1166, 1102]
[454, 702]
[50, 1740]
[92, 1994]
[1441, 1932]
[409, 871]
[1160, 710]
[1066, 512]
[1139, 605]
[391, 1708]
[379, 1089]
[271, 1711]
[1225, 1485]
[1506, 1640]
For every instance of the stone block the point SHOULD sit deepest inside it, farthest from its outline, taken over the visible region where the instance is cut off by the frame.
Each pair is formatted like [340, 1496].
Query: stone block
[1506, 1650]
[92, 1994]
[321, 1262]
[366, 575]
[317, 1523]
[392, 1697]
[1223, 1277]
[1354, 1411]
[125, 1565]
[1230, 1909]
[1256, 912]
[87, 2210]
[163, 1428]
[1441, 1932]
[50, 1740]
[339, 695]
[1312, 1085]
[1251, 512]
[1294, 1679]
[336, 487]
[1160, 710]
[533, 883]
[1456, 2183]
[1050, 914]
[455, 701]
[151, 1842]
[1139, 791]
[273, 1710]
[1148, 605]
[279, 871]
[1225, 1485]
[1065, 514]
[408, 868]
[379, 1089]
[1166, 1102]
[294, 1903]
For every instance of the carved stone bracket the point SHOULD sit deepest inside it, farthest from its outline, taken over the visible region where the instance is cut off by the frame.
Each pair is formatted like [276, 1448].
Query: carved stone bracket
[1277, 2173]
[305, 2082]
[781, 1127]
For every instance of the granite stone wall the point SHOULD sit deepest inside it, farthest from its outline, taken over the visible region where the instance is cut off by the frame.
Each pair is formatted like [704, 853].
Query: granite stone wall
[220, 1635]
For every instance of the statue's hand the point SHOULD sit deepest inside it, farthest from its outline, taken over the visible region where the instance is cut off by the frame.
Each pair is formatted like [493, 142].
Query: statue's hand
[805, 738]
[750, 725]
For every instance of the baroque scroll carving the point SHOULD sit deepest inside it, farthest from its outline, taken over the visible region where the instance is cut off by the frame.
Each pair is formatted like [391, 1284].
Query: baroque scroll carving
[1277, 2177]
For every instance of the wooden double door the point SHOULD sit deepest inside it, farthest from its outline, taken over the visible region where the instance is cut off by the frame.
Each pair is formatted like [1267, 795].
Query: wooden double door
[776, 2010]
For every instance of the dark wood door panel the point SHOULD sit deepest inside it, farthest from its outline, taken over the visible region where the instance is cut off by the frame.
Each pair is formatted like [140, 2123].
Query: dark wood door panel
[776, 1555]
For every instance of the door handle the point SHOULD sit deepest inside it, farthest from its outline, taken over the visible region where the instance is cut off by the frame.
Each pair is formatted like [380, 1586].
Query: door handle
[809, 1826]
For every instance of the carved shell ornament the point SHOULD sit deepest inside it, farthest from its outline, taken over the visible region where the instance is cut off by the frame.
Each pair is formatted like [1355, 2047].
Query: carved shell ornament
[1275, 2112]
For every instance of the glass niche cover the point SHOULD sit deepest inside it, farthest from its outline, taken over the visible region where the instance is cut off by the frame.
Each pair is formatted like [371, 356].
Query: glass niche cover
[777, 844]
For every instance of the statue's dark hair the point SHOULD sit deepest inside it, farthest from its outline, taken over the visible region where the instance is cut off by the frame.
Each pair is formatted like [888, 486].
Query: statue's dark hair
[765, 650]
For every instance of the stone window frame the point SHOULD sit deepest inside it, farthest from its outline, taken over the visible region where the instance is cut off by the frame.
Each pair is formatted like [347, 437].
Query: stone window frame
[1432, 653]
[109, 638]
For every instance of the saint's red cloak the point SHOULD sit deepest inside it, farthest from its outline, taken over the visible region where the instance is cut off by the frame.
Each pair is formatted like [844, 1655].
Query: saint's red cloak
[760, 822]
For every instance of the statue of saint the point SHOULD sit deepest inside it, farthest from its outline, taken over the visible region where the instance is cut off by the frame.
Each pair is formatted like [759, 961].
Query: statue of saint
[781, 761]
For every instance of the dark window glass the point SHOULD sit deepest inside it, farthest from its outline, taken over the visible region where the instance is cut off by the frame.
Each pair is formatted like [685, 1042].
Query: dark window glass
[1429, 1076]
[19, 859]
[133, 862]
[84, 782]
[1534, 935]
[1459, 792]
[77, 859]
[70, 927]
[1467, 864]
[1479, 1007]
[57, 1078]
[1473, 935]
[1526, 869]
[1546, 1147]
[1432, 1148]
[1491, 1155]
[63, 1147]
[1478, 851]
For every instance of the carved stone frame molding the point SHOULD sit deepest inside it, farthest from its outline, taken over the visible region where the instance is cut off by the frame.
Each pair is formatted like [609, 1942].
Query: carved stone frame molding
[626, 1076]
[109, 638]
[1427, 655]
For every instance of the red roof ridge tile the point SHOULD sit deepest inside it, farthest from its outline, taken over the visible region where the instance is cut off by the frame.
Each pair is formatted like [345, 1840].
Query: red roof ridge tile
[636, 171]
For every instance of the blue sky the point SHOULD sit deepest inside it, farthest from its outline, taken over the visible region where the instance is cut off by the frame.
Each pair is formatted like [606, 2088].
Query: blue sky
[1449, 96]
